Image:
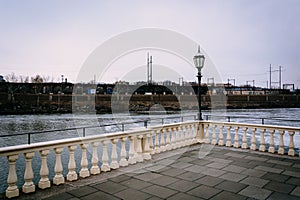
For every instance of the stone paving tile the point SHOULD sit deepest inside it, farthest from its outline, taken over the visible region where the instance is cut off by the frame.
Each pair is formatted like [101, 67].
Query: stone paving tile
[147, 176]
[204, 191]
[234, 168]
[231, 186]
[296, 191]
[293, 181]
[136, 183]
[74, 198]
[261, 163]
[61, 196]
[196, 168]
[236, 155]
[120, 178]
[190, 176]
[99, 195]
[256, 158]
[213, 172]
[183, 196]
[230, 176]
[153, 198]
[159, 191]
[173, 172]
[221, 160]
[201, 162]
[244, 164]
[181, 165]
[255, 192]
[269, 169]
[217, 165]
[130, 194]
[278, 162]
[109, 187]
[183, 185]
[164, 180]
[275, 177]
[253, 172]
[165, 162]
[296, 165]
[209, 180]
[279, 187]
[292, 173]
[258, 182]
[157, 168]
[186, 159]
[281, 196]
[82, 191]
[224, 195]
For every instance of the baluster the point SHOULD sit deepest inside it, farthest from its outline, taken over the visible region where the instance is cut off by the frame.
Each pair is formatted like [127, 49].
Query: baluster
[168, 140]
[221, 136]
[291, 151]
[139, 151]
[190, 134]
[95, 169]
[244, 140]
[28, 175]
[177, 138]
[132, 159]
[187, 135]
[12, 189]
[157, 142]
[195, 128]
[58, 178]
[206, 137]
[181, 137]
[228, 137]
[123, 161]
[44, 171]
[146, 149]
[72, 175]
[253, 140]
[214, 135]
[84, 172]
[114, 155]
[151, 144]
[262, 146]
[281, 142]
[162, 140]
[173, 141]
[236, 138]
[272, 148]
[105, 166]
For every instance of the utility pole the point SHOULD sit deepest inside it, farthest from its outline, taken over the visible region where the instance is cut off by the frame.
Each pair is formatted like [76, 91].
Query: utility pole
[270, 76]
[231, 79]
[280, 68]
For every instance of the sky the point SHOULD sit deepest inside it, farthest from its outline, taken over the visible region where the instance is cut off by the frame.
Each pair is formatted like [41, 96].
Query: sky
[241, 37]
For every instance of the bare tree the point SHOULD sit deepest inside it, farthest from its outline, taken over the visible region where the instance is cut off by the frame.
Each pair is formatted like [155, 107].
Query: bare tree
[46, 78]
[37, 79]
[11, 77]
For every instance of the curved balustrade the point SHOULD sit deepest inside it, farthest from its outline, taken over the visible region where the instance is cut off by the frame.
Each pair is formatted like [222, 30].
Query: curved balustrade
[142, 144]
[136, 146]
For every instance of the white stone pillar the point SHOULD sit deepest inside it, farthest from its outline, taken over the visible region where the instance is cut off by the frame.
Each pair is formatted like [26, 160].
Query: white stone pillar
[72, 175]
[114, 156]
[105, 165]
[44, 172]
[291, 151]
[157, 142]
[206, 137]
[271, 147]
[84, 172]
[168, 140]
[123, 161]
[146, 148]
[236, 138]
[244, 140]
[214, 135]
[221, 136]
[58, 178]
[281, 142]
[262, 146]
[95, 169]
[132, 159]
[139, 152]
[12, 189]
[228, 137]
[28, 186]
[253, 140]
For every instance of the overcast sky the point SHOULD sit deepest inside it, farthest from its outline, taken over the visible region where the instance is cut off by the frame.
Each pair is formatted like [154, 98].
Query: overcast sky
[241, 37]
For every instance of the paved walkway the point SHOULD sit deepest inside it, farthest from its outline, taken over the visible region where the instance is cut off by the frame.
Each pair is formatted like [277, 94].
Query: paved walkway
[224, 173]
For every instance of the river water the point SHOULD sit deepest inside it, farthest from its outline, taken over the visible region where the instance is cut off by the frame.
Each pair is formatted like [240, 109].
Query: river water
[15, 124]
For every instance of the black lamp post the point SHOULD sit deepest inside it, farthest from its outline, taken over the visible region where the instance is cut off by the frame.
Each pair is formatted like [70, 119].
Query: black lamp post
[199, 63]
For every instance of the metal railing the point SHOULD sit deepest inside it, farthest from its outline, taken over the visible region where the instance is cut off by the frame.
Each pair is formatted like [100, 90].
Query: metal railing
[83, 129]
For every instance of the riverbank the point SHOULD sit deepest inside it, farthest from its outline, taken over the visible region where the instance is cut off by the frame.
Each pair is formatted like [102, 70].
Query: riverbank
[105, 103]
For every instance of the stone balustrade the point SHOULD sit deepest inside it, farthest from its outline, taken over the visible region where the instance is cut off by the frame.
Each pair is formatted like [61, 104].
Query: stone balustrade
[124, 148]
[263, 138]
